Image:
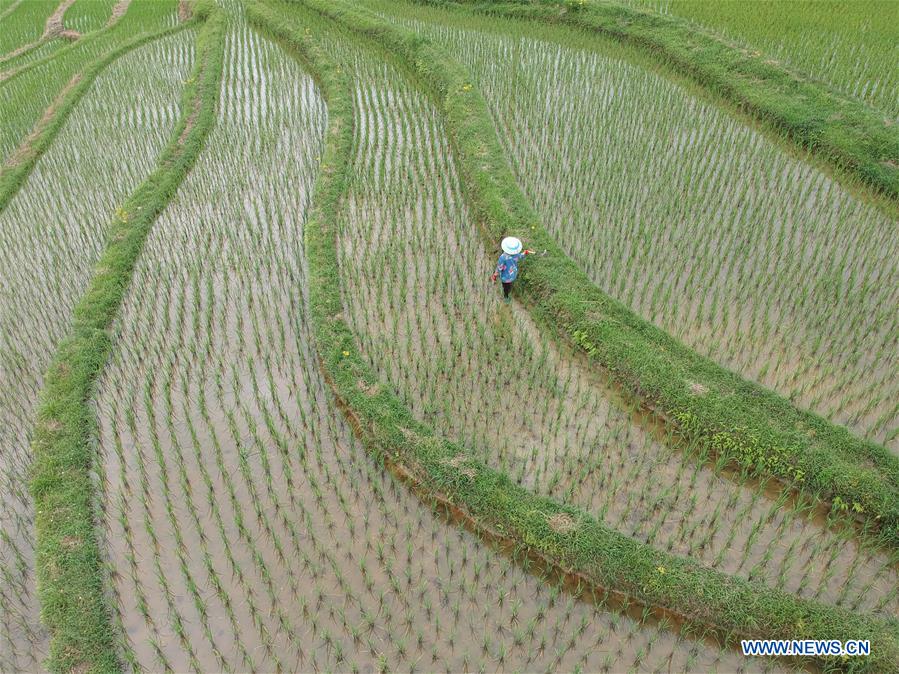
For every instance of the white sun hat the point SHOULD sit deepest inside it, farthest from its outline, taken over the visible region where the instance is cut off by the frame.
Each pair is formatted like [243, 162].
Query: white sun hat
[511, 245]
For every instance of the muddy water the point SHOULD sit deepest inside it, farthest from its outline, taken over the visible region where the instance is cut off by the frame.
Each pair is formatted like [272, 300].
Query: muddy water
[246, 528]
[415, 280]
[51, 234]
[695, 220]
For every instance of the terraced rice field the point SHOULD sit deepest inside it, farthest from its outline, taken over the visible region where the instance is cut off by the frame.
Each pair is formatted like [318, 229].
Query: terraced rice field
[432, 326]
[257, 549]
[24, 23]
[30, 87]
[247, 514]
[696, 220]
[52, 233]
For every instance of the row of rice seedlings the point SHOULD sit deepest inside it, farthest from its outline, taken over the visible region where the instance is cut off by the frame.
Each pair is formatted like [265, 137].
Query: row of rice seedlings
[51, 234]
[853, 46]
[415, 282]
[190, 454]
[41, 51]
[696, 221]
[26, 96]
[85, 16]
[246, 528]
[369, 579]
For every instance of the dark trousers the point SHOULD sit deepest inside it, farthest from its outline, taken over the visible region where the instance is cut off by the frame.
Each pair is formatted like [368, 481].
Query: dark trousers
[507, 288]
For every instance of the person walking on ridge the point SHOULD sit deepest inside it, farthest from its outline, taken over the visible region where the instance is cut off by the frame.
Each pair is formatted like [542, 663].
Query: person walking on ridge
[507, 265]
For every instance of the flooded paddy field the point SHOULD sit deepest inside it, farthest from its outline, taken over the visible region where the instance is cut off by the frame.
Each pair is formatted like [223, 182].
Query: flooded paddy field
[274, 542]
[483, 374]
[692, 218]
[245, 518]
[51, 234]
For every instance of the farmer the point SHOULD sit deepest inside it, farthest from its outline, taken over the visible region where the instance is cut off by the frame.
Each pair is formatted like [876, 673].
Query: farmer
[507, 265]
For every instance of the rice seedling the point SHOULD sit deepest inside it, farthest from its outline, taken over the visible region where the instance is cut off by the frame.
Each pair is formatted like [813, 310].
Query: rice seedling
[51, 237]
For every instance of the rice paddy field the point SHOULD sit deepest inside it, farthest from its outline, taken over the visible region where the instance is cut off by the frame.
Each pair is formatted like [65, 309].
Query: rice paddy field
[849, 45]
[235, 510]
[686, 214]
[52, 236]
[35, 83]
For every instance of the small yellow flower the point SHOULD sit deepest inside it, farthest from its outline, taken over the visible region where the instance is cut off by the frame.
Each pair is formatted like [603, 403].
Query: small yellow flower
[346, 353]
[660, 569]
[466, 87]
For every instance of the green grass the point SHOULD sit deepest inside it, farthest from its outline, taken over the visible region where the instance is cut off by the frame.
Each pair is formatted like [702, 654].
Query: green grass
[489, 498]
[73, 606]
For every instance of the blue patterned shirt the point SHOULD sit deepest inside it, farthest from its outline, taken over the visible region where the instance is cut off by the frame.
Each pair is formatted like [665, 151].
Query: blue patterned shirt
[507, 266]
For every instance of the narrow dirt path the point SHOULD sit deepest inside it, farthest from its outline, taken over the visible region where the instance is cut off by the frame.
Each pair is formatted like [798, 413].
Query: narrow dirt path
[55, 26]
[118, 12]
[184, 12]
